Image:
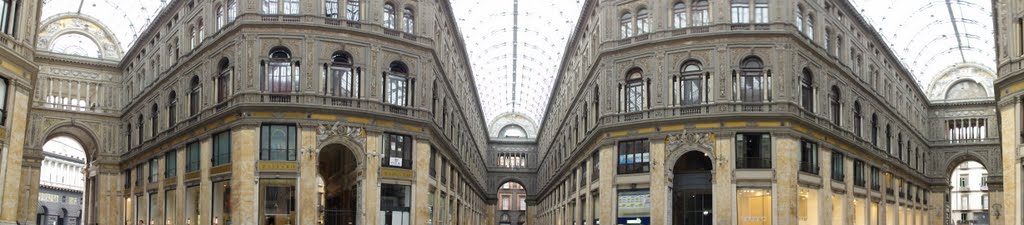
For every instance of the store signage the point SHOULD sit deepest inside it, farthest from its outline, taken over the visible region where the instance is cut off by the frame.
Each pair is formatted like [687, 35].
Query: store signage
[396, 173]
[395, 161]
[634, 221]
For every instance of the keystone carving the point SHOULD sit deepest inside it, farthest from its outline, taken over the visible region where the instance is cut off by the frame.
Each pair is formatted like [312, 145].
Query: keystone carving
[702, 139]
[324, 131]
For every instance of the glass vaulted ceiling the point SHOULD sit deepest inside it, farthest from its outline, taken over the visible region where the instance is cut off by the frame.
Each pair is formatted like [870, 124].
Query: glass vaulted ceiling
[544, 27]
[929, 36]
[125, 18]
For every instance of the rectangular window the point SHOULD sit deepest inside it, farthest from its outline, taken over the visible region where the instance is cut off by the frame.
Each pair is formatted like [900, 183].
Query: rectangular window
[876, 181]
[809, 156]
[395, 203]
[596, 165]
[700, 14]
[222, 148]
[331, 8]
[635, 96]
[3, 102]
[5, 13]
[522, 202]
[397, 151]
[505, 202]
[754, 206]
[277, 205]
[635, 206]
[753, 151]
[352, 10]
[154, 169]
[221, 203]
[224, 84]
[138, 175]
[291, 6]
[963, 181]
[740, 11]
[192, 157]
[433, 161]
[430, 206]
[281, 76]
[192, 205]
[339, 81]
[838, 169]
[760, 11]
[751, 86]
[691, 89]
[396, 90]
[278, 142]
[634, 157]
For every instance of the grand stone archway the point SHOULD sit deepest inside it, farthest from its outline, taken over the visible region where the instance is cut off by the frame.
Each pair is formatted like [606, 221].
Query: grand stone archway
[338, 185]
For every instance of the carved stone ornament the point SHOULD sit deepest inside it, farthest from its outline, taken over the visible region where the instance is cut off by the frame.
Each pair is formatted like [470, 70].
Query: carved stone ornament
[324, 131]
[702, 139]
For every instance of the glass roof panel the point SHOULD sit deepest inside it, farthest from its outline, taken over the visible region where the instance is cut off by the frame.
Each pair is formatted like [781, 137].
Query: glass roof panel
[125, 18]
[932, 35]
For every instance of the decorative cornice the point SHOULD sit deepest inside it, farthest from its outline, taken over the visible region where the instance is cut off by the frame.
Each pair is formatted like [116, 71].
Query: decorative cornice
[324, 132]
[702, 139]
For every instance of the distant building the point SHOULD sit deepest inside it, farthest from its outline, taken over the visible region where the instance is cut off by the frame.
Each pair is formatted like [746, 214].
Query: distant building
[969, 194]
[61, 183]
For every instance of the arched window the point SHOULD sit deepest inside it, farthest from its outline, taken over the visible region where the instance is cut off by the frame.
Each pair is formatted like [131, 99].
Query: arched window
[834, 104]
[512, 131]
[751, 80]
[281, 73]
[3, 101]
[807, 90]
[634, 91]
[389, 16]
[172, 107]
[760, 11]
[331, 8]
[874, 129]
[626, 25]
[888, 138]
[679, 15]
[232, 10]
[409, 21]
[194, 96]
[224, 79]
[340, 80]
[691, 83]
[397, 84]
[857, 118]
[219, 15]
[642, 21]
[798, 16]
[810, 26]
[192, 38]
[154, 115]
[740, 11]
[201, 29]
[700, 13]
[352, 10]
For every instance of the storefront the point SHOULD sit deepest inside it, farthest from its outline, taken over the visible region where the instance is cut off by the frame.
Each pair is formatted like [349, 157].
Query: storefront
[634, 207]
[754, 206]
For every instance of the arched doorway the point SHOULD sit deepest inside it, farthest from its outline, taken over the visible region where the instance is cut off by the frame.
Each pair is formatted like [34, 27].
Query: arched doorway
[512, 204]
[691, 190]
[337, 187]
[967, 201]
[61, 181]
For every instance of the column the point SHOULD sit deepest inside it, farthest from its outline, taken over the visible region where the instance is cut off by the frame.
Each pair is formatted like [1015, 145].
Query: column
[421, 185]
[244, 192]
[722, 185]
[306, 187]
[606, 184]
[660, 198]
[786, 159]
[370, 196]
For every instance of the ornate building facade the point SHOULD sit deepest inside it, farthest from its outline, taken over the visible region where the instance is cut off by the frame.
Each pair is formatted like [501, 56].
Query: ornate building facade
[366, 112]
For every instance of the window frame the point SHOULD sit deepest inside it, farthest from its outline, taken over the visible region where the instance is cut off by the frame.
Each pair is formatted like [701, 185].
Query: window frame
[629, 152]
[4, 86]
[745, 152]
[290, 146]
[221, 155]
[403, 146]
[390, 18]
[171, 164]
[193, 151]
[809, 157]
